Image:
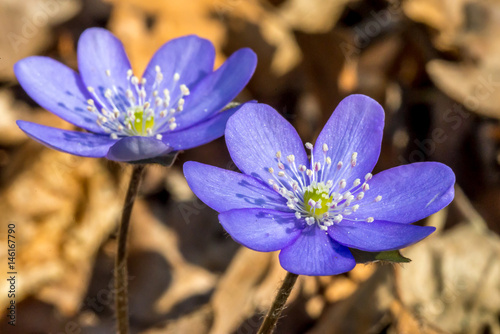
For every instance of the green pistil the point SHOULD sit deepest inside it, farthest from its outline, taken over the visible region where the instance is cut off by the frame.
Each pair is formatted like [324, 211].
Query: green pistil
[316, 195]
[139, 124]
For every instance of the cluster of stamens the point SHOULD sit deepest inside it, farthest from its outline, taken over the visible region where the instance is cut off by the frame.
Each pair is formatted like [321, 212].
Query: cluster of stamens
[131, 112]
[314, 197]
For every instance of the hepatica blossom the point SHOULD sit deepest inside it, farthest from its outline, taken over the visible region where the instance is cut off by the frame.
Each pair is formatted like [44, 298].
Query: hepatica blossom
[175, 105]
[314, 209]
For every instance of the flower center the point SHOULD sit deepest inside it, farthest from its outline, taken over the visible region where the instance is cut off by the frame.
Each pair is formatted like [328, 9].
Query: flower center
[314, 194]
[131, 111]
[139, 124]
[315, 200]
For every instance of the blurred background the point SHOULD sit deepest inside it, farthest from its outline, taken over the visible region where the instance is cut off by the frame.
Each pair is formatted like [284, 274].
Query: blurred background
[435, 67]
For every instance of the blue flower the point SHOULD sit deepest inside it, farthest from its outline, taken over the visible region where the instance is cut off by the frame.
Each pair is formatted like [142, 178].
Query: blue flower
[174, 106]
[314, 209]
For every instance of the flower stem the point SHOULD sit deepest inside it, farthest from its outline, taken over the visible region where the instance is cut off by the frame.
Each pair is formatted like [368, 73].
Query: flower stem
[278, 305]
[121, 273]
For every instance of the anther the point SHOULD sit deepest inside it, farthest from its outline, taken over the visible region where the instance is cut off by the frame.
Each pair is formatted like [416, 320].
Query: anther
[108, 73]
[368, 177]
[339, 165]
[278, 154]
[108, 93]
[177, 76]
[369, 220]
[309, 146]
[325, 148]
[184, 90]
[353, 159]
[378, 198]
[180, 104]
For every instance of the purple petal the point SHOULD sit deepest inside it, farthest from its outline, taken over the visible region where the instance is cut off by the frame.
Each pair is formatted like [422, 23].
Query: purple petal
[253, 136]
[58, 89]
[314, 253]
[137, 148]
[224, 190]
[378, 235]
[191, 57]
[261, 230]
[216, 90]
[100, 51]
[201, 133]
[78, 143]
[409, 193]
[356, 125]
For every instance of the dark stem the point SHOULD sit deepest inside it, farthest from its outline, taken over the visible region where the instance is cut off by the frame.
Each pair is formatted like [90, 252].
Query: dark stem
[121, 273]
[278, 305]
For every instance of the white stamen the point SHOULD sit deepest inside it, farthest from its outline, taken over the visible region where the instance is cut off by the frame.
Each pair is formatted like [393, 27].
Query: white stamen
[329, 200]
